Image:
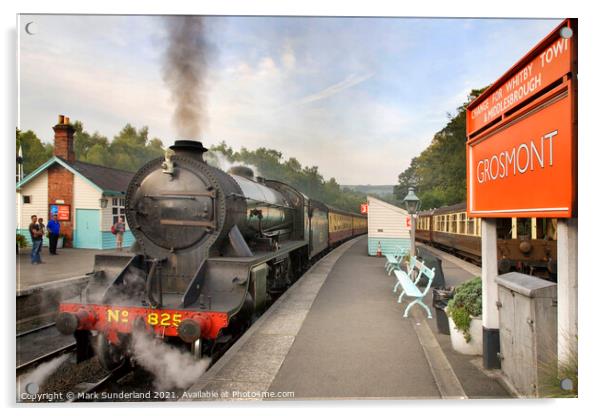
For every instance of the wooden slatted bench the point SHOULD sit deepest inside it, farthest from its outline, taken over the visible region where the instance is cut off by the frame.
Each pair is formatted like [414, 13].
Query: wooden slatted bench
[410, 288]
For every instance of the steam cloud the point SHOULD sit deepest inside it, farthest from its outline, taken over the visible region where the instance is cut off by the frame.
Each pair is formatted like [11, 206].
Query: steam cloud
[184, 69]
[171, 367]
[39, 375]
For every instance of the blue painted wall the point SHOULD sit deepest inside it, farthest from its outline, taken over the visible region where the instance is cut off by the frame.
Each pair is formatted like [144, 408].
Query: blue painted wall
[107, 239]
[388, 245]
[109, 242]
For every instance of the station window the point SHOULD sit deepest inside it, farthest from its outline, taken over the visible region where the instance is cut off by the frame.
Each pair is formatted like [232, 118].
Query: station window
[27, 199]
[118, 206]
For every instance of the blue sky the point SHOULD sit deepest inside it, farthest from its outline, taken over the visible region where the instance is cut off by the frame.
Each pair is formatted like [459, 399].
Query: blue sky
[358, 97]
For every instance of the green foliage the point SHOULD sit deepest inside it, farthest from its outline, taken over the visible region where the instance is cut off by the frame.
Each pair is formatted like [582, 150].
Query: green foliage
[439, 172]
[270, 164]
[131, 148]
[128, 150]
[34, 151]
[466, 303]
[21, 241]
[556, 373]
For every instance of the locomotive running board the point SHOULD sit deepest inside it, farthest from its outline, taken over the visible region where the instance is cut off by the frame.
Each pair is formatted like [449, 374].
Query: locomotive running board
[222, 282]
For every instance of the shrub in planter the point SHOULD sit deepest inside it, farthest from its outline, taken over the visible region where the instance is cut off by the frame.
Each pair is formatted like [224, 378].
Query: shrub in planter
[466, 303]
[21, 241]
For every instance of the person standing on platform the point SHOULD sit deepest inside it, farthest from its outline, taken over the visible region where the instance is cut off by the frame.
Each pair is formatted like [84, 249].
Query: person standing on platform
[119, 231]
[42, 227]
[36, 240]
[54, 230]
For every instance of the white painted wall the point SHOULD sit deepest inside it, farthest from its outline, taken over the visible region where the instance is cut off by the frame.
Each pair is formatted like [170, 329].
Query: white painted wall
[388, 218]
[37, 188]
[85, 196]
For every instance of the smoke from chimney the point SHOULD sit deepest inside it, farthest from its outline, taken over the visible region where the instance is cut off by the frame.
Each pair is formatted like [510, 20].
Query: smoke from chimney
[184, 70]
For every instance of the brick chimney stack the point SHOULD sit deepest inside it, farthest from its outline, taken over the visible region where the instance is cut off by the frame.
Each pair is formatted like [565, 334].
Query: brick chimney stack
[63, 139]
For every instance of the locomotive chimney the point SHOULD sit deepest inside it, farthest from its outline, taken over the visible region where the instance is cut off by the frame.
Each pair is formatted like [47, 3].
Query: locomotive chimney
[191, 148]
[63, 139]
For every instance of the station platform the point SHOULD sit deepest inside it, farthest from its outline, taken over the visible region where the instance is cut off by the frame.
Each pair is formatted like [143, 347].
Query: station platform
[70, 263]
[339, 333]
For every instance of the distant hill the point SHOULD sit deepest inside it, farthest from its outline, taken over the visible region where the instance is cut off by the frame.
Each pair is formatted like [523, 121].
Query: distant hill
[381, 190]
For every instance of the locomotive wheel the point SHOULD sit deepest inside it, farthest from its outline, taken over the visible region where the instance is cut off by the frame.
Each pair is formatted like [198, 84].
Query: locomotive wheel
[110, 356]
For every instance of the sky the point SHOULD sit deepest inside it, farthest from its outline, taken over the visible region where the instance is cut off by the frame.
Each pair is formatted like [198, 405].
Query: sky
[357, 97]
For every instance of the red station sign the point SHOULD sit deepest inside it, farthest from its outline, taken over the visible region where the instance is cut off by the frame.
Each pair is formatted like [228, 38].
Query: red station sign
[521, 152]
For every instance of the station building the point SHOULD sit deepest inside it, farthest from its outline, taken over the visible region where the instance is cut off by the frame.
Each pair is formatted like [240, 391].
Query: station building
[388, 227]
[88, 199]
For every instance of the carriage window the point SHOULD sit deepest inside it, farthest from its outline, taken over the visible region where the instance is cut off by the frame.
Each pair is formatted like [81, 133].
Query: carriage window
[546, 228]
[504, 228]
[462, 223]
[523, 227]
[454, 223]
[470, 226]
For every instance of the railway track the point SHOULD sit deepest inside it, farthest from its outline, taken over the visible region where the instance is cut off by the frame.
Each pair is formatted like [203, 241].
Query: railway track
[39, 345]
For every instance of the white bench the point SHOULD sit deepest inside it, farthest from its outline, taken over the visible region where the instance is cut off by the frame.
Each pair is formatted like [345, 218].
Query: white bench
[394, 260]
[410, 287]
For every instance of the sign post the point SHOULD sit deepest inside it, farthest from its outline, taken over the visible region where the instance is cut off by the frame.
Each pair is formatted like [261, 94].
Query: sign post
[521, 156]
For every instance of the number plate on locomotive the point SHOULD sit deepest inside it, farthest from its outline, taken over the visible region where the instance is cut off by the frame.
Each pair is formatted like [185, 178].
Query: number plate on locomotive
[123, 316]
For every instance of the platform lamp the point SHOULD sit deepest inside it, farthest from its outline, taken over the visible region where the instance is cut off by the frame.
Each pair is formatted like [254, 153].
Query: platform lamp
[412, 203]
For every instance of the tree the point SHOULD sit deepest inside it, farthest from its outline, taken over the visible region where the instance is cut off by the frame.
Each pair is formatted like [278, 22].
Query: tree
[90, 148]
[269, 163]
[129, 150]
[35, 153]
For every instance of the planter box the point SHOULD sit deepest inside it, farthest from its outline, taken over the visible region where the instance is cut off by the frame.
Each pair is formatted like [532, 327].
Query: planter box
[459, 344]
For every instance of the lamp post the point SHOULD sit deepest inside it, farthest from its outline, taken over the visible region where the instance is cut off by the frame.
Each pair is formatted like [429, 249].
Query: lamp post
[412, 203]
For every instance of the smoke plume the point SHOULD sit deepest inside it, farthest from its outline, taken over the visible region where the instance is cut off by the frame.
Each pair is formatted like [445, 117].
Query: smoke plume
[184, 70]
[171, 367]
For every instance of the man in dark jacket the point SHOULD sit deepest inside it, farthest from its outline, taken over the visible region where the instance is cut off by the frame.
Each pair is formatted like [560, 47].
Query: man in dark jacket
[54, 230]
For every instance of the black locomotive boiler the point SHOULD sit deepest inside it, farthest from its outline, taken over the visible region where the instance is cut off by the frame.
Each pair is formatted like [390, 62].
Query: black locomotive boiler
[212, 250]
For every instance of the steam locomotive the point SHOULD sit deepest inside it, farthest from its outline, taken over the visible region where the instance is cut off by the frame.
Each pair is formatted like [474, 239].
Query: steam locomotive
[527, 245]
[212, 250]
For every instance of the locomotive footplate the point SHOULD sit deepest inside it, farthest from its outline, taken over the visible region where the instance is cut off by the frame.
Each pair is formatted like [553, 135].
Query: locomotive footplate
[113, 320]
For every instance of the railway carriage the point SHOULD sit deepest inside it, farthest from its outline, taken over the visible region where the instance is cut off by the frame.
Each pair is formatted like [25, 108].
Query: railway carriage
[527, 245]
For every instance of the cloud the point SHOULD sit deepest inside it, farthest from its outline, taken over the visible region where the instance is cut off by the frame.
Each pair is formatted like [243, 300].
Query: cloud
[268, 77]
[351, 81]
